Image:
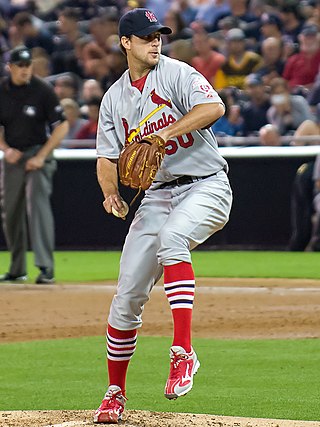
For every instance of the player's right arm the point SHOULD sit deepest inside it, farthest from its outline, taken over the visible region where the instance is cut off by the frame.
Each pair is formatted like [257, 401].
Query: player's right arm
[108, 151]
[108, 180]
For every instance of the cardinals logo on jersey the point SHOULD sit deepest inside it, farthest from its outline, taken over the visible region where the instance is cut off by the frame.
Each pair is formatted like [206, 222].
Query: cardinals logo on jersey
[156, 99]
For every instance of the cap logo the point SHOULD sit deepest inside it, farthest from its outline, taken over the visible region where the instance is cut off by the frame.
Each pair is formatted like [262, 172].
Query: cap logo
[151, 16]
[24, 55]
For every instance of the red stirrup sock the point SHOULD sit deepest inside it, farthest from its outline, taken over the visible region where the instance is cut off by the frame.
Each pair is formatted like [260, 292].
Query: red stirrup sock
[179, 285]
[120, 348]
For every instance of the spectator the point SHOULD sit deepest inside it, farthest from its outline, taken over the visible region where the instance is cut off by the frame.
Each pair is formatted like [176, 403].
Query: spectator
[314, 244]
[302, 196]
[313, 95]
[301, 69]
[41, 63]
[242, 18]
[292, 21]
[63, 58]
[209, 12]
[273, 64]
[116, 64]
[270, 26]
[89, 129]
[91, 88]
[269, 136]
[102, 27]
[254, 111]
[206, 60]
[239, 62]
[309, 128]
[305, 208]
[174, 20]
[182, 50]
[231, 122]
[186, 10]
[72, 114]
[94, 64]
[31, 34]
[287, 111]
[65, 86]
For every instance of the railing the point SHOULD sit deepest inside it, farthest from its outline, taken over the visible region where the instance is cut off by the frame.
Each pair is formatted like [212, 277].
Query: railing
[232, 147]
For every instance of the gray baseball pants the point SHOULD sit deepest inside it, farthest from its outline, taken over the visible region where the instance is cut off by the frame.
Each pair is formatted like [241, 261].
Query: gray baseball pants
[168, 224]
[26, 207]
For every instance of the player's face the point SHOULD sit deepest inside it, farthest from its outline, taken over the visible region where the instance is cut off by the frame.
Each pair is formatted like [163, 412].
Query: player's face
[146, 49]
[21, 73]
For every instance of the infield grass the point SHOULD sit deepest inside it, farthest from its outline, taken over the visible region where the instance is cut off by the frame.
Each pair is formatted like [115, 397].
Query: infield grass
[253, 378]
[84, 266]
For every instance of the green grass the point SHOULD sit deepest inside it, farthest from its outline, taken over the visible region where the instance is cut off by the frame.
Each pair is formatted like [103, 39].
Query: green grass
[254, 378]
[98, 266]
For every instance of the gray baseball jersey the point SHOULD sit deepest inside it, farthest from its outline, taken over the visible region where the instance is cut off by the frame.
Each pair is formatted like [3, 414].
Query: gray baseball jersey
[171, 90]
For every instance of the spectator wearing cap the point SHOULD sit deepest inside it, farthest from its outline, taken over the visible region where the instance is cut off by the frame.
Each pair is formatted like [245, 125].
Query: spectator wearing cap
[273, 64]
[301, 69]
[254, 111]
[239, 61]
[207, 61]
[270, 26]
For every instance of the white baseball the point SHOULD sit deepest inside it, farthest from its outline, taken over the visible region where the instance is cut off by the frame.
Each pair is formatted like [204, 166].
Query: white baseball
[123, 212]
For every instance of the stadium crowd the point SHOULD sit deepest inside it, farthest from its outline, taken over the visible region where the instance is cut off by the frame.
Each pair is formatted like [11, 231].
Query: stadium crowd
[262, 57]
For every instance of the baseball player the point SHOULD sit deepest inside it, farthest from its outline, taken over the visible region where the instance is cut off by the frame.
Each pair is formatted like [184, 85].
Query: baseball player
[189, 200]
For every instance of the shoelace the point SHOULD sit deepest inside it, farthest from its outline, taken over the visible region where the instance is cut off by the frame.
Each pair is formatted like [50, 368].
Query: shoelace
[176, 359]
[115, 398]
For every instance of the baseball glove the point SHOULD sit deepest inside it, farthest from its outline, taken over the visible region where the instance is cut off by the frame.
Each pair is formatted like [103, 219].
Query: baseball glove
[140, 160]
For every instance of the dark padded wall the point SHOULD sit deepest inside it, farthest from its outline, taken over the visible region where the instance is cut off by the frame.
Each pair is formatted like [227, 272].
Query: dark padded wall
[260, 217]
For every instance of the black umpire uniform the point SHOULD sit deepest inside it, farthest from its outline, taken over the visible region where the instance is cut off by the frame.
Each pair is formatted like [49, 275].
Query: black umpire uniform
[32, 126]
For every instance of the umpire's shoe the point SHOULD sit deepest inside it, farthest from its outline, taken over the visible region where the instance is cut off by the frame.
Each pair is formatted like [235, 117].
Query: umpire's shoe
[183, 367]
[46, 276]
[112, 406]
[10, 278]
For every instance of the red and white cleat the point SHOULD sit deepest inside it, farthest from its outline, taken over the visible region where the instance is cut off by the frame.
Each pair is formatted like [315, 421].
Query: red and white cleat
[183, 367]
[112, 406]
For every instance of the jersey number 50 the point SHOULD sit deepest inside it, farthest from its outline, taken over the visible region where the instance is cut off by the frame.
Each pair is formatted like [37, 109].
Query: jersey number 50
[172, 144]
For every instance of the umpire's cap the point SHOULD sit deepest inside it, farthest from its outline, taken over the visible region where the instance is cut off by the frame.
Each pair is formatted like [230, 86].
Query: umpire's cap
[140, 22]
[20, 55]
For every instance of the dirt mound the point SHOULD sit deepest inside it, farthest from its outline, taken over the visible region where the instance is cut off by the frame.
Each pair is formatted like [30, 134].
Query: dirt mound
[139, 419]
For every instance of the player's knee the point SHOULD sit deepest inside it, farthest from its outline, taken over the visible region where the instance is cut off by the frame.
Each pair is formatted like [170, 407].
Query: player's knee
[126, 311]
[173, 246]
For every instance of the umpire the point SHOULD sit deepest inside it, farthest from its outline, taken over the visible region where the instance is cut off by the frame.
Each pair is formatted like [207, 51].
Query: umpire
[31, 126]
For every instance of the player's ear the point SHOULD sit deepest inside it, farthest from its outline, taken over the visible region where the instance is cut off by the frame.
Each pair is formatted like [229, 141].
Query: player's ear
[125, 42]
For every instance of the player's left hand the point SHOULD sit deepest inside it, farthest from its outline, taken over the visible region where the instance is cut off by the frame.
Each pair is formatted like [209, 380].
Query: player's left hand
[34, 163]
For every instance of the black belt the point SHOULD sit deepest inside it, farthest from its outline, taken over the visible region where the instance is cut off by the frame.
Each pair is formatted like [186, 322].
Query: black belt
[184, 179]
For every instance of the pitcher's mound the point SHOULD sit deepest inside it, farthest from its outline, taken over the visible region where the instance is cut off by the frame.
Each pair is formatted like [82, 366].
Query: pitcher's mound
[139, 419]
